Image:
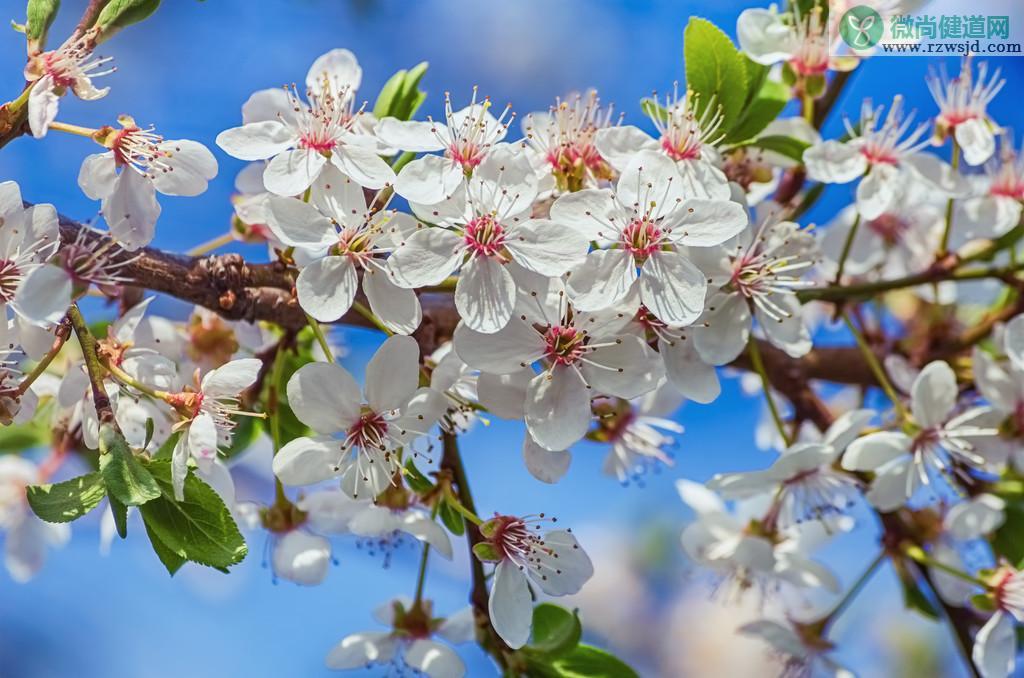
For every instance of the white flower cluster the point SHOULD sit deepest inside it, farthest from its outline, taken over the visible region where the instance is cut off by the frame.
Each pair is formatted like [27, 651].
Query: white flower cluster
[599, 276]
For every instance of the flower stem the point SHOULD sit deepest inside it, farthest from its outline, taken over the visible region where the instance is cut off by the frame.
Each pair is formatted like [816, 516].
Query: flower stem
[128, 380]
[93, 367]
[318, 332]
[855, 589]
[944, 245]
[876, 368]
[362, 310]
[847, 246]
[421, 576]
[758, 362]
[916, 553]
[62, 334]
[274, 411]
[77, 130]
[211, 245]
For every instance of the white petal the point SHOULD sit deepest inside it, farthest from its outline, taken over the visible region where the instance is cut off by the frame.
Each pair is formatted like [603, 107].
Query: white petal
[995, 647]
[504, 395]
[627, 368]
[43, 296]
[547, 466]
[788, 333]
[650, 173]
[485, 295]
[324, 396]
[292, 172]
[976, 140]
[618, 144]
[411, 135]
[305, 461]
[298, 223]
[1013, 341]
[43, 103]
[727, 329]
[557, 408]
[202, 437]
[546, 247]
[362, 649]
[459, 627]
[569, 563]
[191, 167]
[934, 394]
[265, 105]
[503, 352]
[428, 180]
[363, 165]
[588, 212]
[231, 378]
[764, 37]
[434, 659]
[339, 68]
[327, 287]
[397, 307]
[875, 450]
[688, 373]
[672, 288]
[427, 257]
[301, 557]
[510, 606]
[834, 162]
[428, 531]
[392, 375]
[131, 210]
[704, 223]
[256, 140]
[603, 279]
[877, 192]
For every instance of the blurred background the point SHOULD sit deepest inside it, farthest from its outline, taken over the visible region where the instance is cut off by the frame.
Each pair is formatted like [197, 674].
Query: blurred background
[187, 70]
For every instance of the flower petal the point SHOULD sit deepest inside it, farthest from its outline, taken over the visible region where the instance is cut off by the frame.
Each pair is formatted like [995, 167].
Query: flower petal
[327, 287]
[510, 606]
[325, 397]
[485, 295]
[557, 408]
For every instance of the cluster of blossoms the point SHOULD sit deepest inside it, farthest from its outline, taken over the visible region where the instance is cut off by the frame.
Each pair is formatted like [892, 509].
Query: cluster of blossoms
[593, 277]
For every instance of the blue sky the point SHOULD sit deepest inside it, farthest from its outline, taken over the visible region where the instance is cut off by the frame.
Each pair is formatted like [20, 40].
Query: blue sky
[187, 71]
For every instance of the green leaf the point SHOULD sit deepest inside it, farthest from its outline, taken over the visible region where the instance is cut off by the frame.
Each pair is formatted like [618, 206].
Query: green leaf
[583, 661]
[487, 552]
[415, 479]
[121, 13]
[199, 528]
[452, 519]
[120, 513]
[166, 451]
[388, 93]
[556, 631]
[40, 15]
[125, 476]
[715, 70]
[401, 97]
[66, 501]
[760, 111]
[171, 560]
[913, 597]
[788, 146]
[22, 437]
[1007, 541]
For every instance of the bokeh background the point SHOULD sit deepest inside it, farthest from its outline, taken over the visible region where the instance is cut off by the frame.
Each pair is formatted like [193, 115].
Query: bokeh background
[188, 70]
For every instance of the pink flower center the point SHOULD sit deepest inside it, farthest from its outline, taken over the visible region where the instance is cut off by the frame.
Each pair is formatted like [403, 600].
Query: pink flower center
[484, 236]
[890, 228]
[641, 237]
[467, 154]
[370, 430]
[569, 156]
[10, 276]
[317, 140]
[55, 67]
[879, 155]
[682, 143]
[1008, 184]
[565, 345]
